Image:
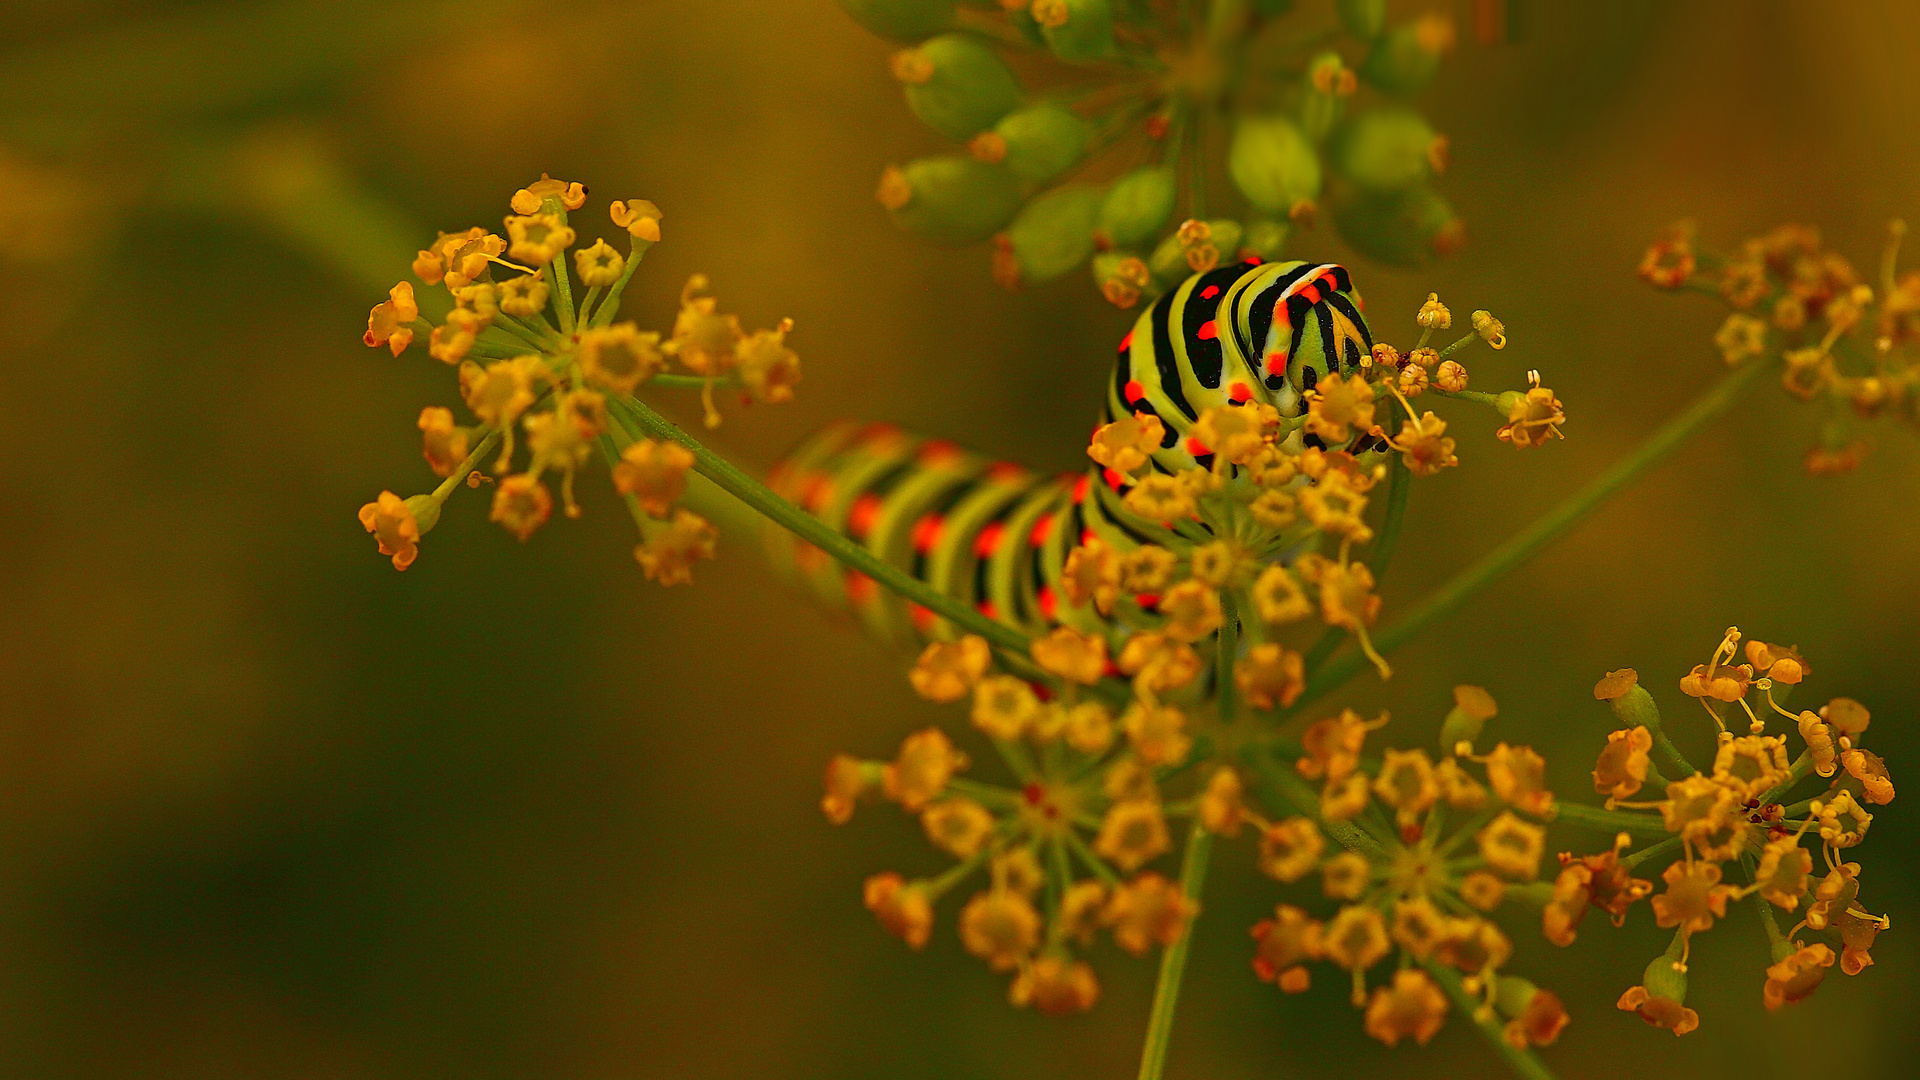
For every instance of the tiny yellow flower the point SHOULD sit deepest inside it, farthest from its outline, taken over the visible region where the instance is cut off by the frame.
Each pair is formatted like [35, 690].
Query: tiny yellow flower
[618, 357]
[927, 760]
[1519, 776]
[1147, 911]
[1270, 675]
[768, 368]
[599, 265]
[1274, 509]
[1346, 876]
[1533, 418]
[521, 504]
[1081, 910]
[902, 908]
[1797, 976]
[1423, 444]
[1147, 569]
[1482, 889]
[390, 323]
[1001, 927]
[1622, 767]
[1290, 849]
[655, 473]
[1357, 939]
[1751, 764]
[501, 391]
[948, 670]
[1089, 728]
[1004, 706]
[1741, 338]
[1694, 896]
[443, 444]
[537, 239]
[1412, 1006]
[1220, 807]
[1337, 405]
[394, 525]
[1160, 497]
[1784, 871]
[960, 827]
[1192, 610]
[1071, 655]
[1092, 576]
[1278, 597]
[1282, 945]
[1434, 315]
[524, 296]
[1127, 443]
[1055, 986]
[1512, 847]
[668, 554]
[640, 218]
[848, 779]
[530, 198]
[1157, 662]
[1157, 733]
[1450, 376]
[1237, 432]
[1132, 834]
[704, 342]
[1490, 329]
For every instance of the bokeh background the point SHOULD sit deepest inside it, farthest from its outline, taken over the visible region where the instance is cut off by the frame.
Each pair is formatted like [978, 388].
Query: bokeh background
[269, 809]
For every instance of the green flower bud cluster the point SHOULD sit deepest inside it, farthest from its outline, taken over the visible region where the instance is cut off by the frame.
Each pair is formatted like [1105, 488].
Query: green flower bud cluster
[1116, 167]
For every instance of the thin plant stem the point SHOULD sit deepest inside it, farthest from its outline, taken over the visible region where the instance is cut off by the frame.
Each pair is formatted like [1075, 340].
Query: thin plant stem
[1595, 817]
[1528, 542]
[1173, 962]
[1226, 646]
[1524, 1063]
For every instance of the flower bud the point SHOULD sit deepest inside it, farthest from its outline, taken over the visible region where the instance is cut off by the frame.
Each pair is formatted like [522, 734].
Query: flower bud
[1137, 206]
[426, 512]
[1037, 143]
[957, 85]
[1273, 164]
[903, 20]
[1406, 229]
[1661, 980]
[1363, 18]
[1121, 276]
[1405, 58]
[951, 199]
[1266, 238]
[1076, 29]
[1051, 236]
[1384, 150]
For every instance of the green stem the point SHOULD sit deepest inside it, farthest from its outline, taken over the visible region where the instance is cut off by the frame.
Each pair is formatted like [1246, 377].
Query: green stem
[1173, 962]
[1667, 846]
[1802, 765]
[809, 528]
[458, 475]
[1524, 1062]
[1604, 820]
[1523, 545]
[1226, 648]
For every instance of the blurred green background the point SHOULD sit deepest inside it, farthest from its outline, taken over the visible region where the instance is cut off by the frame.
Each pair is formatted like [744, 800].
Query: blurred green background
[269, 809]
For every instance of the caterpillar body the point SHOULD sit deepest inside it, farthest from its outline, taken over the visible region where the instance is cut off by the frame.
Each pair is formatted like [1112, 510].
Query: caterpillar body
[996, 535]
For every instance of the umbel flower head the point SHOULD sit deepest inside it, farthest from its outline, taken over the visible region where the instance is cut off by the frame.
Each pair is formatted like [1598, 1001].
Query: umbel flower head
[1272, 511]
[1836, 337]
[1736, 827]
[552, 373]
[1149, 83]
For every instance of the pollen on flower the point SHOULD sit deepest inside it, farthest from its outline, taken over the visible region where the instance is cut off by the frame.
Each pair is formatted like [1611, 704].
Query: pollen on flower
[948, 670]
[390, 323]
[654, 473]
[391, 520]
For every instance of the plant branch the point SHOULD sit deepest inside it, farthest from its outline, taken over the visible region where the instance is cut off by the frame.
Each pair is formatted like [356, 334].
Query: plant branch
[1528, 542]
[1604, 820]
[1524, 1062]
[1173, 962]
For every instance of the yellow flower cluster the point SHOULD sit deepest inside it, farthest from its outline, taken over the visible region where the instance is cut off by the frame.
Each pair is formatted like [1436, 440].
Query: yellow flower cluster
[1738, 813]
[1065, 854]
[1417, 853]
[536, 365]
[1293, 488]
[1836, 338]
